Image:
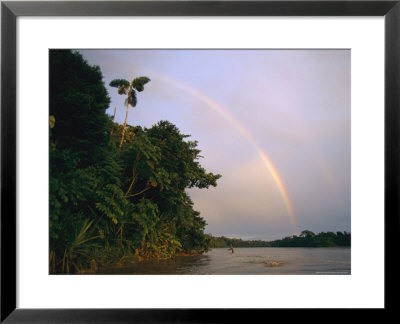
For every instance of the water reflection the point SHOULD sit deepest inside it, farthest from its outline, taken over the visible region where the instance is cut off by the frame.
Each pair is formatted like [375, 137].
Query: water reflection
[177, 265]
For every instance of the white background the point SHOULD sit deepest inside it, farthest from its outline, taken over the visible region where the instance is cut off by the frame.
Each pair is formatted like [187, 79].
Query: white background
[363, 288]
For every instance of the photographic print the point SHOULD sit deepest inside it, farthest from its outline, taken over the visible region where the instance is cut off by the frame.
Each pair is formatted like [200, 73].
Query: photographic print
[200, 161]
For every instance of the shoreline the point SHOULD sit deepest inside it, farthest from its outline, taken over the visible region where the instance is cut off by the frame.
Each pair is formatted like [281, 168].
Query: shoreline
[131, 260]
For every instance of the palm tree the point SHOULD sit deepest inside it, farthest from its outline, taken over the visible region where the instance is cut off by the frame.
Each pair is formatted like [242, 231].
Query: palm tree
[126, 87]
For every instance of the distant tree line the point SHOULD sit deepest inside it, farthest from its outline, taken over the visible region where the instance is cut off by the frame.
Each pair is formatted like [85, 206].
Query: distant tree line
[305, 239]
[309, 239]
[222, 241]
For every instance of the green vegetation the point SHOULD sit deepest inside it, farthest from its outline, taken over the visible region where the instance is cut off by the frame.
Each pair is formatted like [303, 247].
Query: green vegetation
[309, 239]
[110, 202]
[305, 239]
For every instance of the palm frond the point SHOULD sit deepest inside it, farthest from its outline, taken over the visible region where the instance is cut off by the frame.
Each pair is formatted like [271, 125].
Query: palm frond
[122, 90]
[117, 83]
[139, 83]
[79, 246]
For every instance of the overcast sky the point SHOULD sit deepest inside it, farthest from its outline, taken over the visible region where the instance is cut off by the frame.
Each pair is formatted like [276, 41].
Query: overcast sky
[274, 123]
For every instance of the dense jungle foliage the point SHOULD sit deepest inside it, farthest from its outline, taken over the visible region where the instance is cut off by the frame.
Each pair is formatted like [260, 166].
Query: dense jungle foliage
[305, 239]
[116, 191]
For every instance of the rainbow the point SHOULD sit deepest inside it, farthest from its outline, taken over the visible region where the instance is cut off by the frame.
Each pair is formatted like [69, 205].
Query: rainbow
[226, 115]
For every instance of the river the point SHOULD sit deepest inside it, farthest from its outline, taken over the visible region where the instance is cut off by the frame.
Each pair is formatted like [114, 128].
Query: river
[251, 261]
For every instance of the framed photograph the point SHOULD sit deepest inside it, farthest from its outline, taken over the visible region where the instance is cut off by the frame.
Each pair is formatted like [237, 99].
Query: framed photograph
[190, 160]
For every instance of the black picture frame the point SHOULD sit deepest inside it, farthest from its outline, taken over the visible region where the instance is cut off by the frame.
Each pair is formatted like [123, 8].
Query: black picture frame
[10, 10]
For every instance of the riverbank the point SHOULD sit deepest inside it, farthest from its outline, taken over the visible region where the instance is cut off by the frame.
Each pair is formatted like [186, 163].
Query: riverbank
[133, 260]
